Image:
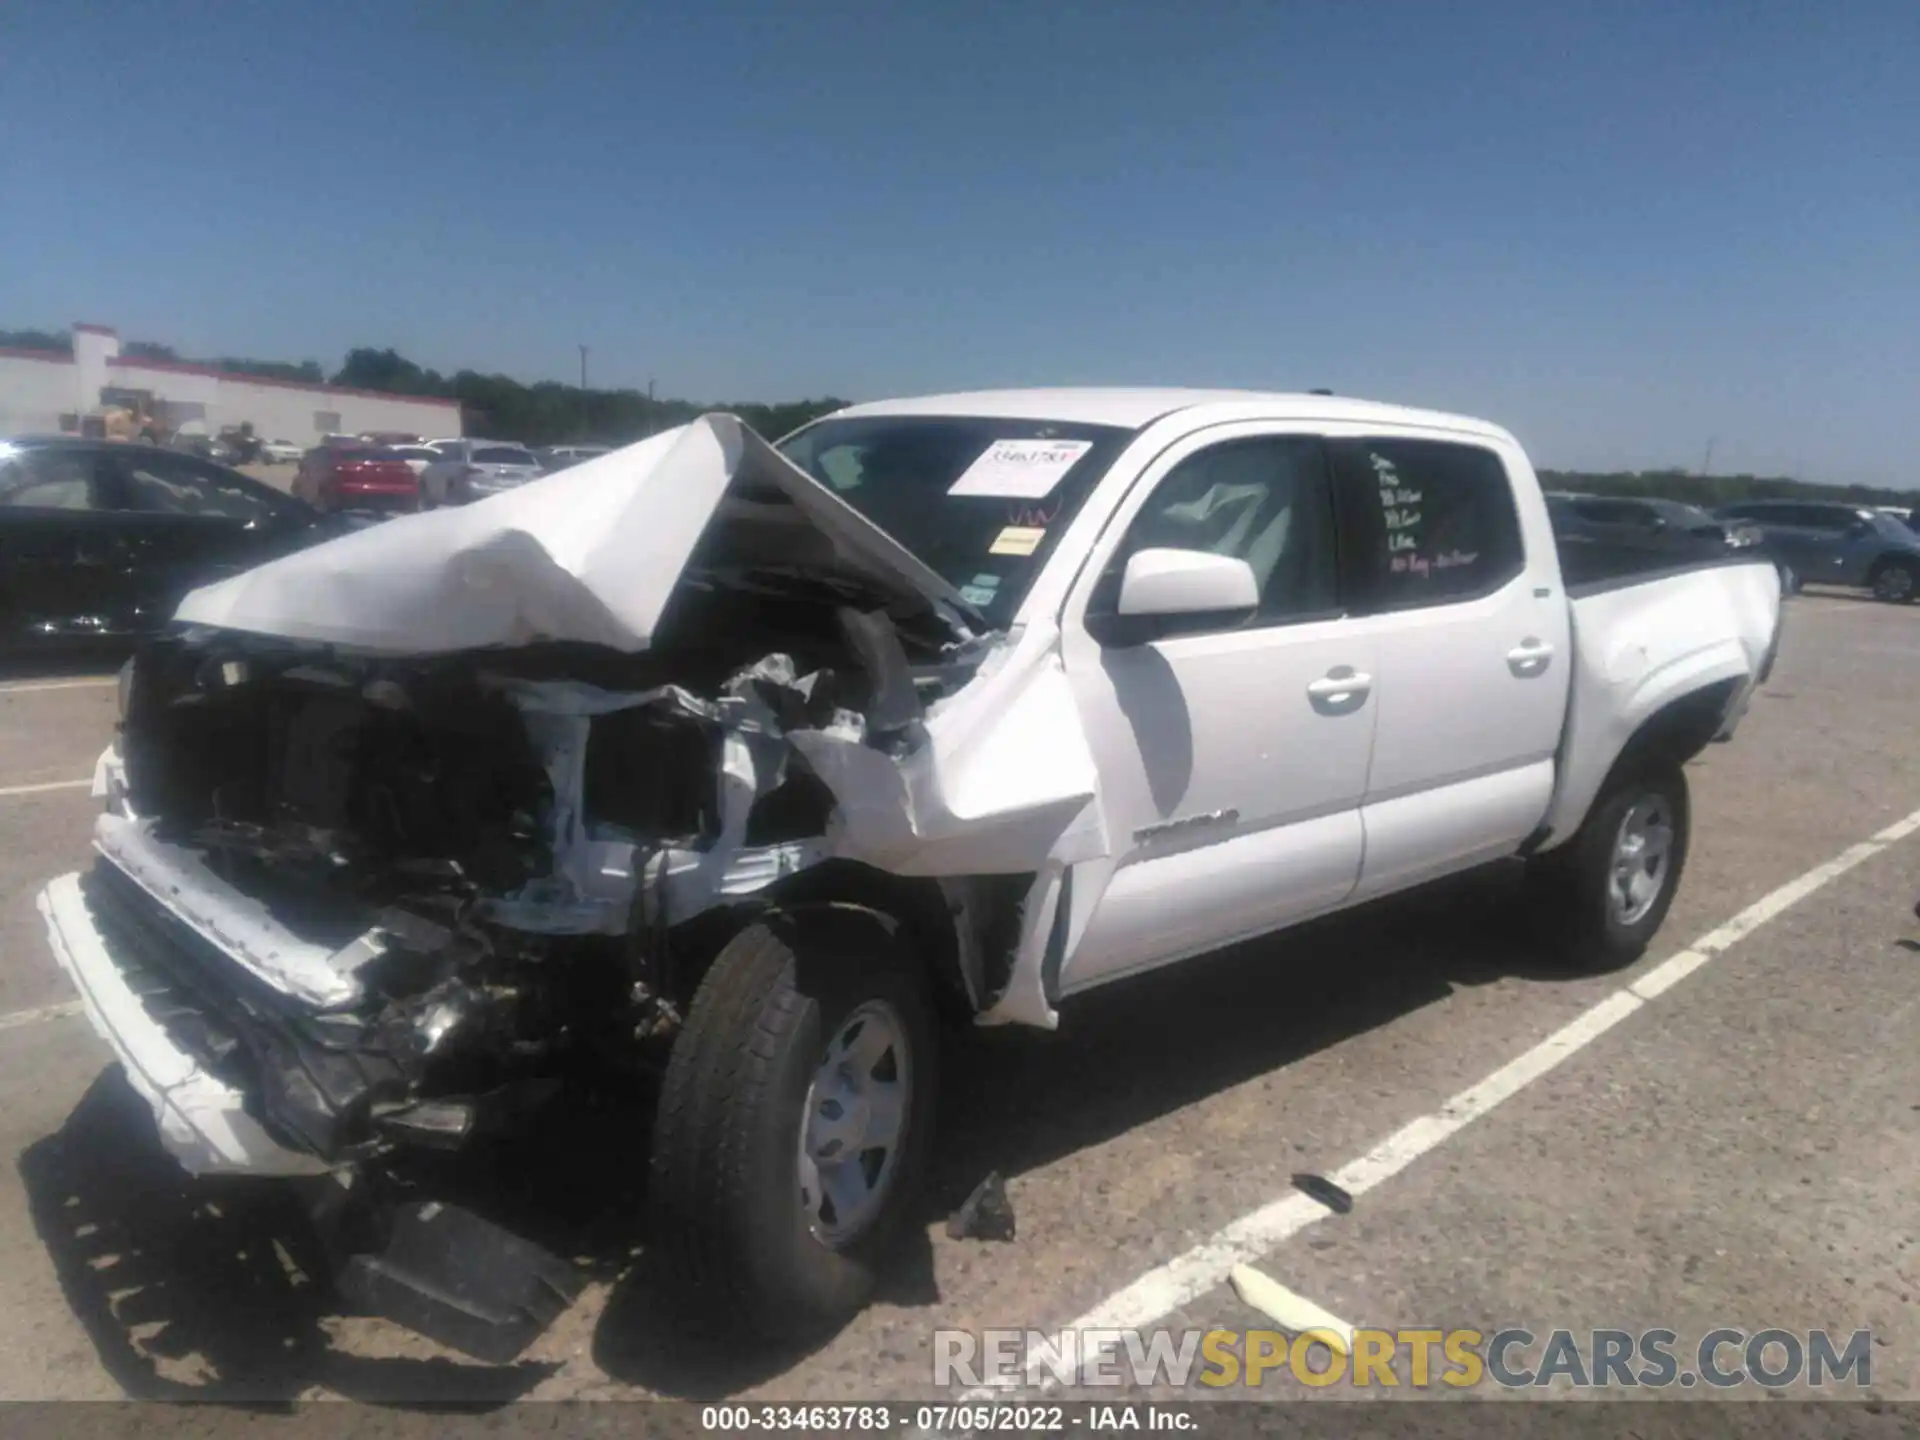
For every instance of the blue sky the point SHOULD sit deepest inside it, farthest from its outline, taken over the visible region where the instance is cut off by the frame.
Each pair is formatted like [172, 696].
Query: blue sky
[1622, 230]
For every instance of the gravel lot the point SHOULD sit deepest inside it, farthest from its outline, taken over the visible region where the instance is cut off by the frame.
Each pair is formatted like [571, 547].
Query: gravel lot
[1742, 1150]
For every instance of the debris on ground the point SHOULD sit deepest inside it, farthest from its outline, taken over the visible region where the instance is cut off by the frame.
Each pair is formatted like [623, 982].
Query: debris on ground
[1325, 1191]
[1293, 1313]
[986, 1215]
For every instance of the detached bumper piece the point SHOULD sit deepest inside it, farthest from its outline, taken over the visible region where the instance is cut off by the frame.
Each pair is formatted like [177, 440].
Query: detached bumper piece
[460, 1280]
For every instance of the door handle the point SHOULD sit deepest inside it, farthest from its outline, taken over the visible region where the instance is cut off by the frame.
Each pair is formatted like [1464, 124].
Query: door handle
[1339, 686]
[1529, 658]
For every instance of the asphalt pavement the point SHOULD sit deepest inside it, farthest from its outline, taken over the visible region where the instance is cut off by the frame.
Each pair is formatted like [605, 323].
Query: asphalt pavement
[1737, 1147]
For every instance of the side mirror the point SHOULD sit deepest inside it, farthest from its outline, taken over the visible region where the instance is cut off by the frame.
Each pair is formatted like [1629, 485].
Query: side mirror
[1186, 582]
[1161, 588]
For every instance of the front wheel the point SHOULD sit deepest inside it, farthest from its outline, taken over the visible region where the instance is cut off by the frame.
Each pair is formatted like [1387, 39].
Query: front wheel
[794, 1125]
[1604, 894]
[1896, 582]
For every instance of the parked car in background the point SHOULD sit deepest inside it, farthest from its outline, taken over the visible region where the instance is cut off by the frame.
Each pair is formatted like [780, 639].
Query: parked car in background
[99, 540]
[357, 477]
[1907, 517]
[418, 457]
[470, 470]
[280, 452]
[562, 457]
[1636, 519]
[1824, 543]
[206, 447]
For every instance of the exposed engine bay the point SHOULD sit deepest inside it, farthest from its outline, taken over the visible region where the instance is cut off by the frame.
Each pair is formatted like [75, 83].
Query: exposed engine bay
[415, 835]
[449, 882]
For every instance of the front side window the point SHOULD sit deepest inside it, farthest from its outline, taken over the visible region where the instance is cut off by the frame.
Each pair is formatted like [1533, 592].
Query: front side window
[1267, 501]
[168, 485]
[1435, 520]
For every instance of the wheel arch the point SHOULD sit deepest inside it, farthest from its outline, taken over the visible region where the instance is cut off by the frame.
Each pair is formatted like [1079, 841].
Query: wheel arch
[1887, 560]
[952, 928]
[1674, 732]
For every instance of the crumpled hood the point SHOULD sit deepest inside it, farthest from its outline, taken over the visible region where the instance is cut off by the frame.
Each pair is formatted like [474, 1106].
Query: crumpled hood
[591, 554]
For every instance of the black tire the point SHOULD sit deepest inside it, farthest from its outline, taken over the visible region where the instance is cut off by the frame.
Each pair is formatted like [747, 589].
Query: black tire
[1897, 582]
[1572, 886]
[728, 1226]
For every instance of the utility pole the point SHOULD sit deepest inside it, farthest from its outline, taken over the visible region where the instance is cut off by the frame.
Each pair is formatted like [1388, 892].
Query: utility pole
[583, 367]
[1706, 465]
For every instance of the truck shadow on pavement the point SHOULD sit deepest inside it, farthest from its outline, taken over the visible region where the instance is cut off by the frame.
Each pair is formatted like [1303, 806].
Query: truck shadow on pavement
[208, 1290]
[1124, 1056]
[214, 1290]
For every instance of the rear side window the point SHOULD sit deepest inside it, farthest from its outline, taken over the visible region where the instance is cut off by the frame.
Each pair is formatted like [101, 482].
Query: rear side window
[1434, 521]
[1819, 517]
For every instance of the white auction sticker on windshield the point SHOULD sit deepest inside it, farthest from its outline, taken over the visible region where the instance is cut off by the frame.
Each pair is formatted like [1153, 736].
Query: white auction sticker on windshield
[1020, 469]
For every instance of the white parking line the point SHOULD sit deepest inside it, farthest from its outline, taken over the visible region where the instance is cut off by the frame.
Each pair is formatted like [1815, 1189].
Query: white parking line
[91, 682]
[44, 786]
[1186, 1277]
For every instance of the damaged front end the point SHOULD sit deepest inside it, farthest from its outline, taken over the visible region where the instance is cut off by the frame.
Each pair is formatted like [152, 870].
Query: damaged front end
[359, 904]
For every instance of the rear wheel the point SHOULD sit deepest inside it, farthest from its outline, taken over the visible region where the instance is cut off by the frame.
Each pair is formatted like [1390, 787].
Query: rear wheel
[1603, 895]
[1896, 581]
[794, 1125]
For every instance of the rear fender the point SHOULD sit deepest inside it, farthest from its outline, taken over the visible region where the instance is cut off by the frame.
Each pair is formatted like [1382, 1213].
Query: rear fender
[1670, 717]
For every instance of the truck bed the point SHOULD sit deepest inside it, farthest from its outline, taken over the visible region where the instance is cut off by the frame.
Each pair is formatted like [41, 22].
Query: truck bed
[1588, 565]
[1650, 629]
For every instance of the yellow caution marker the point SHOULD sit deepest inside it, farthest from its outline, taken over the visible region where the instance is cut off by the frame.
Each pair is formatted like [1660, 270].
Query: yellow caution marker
[1293, 1313]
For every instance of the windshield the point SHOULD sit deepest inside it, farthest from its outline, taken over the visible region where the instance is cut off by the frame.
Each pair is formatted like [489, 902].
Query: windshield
[1889, 527]
[502, 455]
[981, 501]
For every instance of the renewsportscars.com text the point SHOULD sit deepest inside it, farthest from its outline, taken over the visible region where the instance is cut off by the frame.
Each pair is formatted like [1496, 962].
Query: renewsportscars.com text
[1722, 1358]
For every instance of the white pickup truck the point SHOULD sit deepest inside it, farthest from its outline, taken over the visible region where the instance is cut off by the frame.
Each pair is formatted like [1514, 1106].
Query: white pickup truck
[750, 761]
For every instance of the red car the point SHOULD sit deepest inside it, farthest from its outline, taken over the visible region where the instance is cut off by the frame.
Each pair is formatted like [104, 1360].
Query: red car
[356, 477]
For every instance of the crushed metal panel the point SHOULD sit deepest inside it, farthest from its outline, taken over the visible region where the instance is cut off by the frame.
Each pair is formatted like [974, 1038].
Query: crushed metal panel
[591, 554]
[1001, 779]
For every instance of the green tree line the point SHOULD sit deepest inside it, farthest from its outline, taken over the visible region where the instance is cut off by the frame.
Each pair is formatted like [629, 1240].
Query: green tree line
[549, 413]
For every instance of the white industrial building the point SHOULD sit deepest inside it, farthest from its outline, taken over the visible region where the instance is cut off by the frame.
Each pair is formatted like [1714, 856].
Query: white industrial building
[46, 392]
